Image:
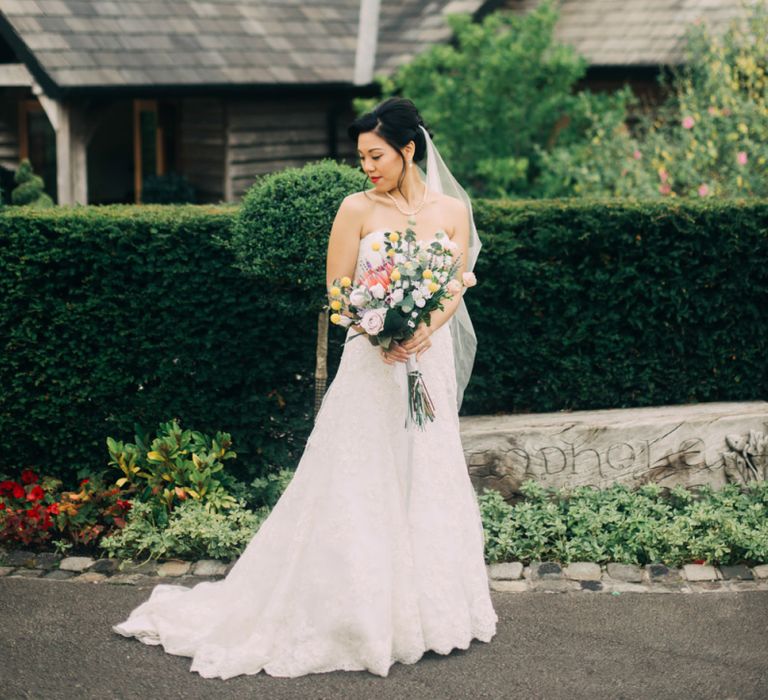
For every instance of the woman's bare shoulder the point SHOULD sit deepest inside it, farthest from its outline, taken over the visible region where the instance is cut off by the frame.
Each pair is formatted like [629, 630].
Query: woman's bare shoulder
[357, 202]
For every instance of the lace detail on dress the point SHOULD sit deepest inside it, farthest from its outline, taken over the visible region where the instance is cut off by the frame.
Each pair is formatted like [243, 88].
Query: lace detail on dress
[345, 574]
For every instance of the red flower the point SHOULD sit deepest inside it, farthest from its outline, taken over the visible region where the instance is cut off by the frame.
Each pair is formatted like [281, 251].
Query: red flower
[28, 476]
[35, 494]
[84, 481]
[2, 506]
[125, 505]
[53, 508]
[18, 491]
[6, 487]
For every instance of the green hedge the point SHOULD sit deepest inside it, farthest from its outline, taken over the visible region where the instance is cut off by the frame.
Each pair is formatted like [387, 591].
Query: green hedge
[578, 305]
[603, 304]
[117, 316]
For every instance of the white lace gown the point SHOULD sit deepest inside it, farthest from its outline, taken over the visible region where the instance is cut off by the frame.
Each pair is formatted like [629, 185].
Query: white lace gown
[373, 554]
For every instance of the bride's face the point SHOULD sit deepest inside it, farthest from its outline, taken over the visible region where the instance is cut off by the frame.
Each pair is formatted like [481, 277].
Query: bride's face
[380, 162]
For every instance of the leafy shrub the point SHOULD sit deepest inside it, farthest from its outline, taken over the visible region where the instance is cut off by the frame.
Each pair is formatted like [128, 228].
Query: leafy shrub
[92, 511]
[191, 532]
[498, 96]
[709, 138]
[177, 465]
[26, 509]
[616, 524]
[29, 188]
[280, 234]
[169, 188]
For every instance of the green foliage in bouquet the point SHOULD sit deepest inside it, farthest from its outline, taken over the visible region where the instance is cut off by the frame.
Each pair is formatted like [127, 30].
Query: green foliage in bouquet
[29, 188]
[191, 532]
[176, 466]
[709, 138]
[617, 524]
[280, 234]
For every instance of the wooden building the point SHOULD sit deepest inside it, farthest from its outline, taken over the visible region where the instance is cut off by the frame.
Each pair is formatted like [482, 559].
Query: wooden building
[100, 94]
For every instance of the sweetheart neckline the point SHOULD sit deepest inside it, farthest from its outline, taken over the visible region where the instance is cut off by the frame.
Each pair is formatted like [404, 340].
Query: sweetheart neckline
[383, 230]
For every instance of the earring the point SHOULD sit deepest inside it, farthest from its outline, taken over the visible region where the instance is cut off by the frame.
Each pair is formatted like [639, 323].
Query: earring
[410, 163]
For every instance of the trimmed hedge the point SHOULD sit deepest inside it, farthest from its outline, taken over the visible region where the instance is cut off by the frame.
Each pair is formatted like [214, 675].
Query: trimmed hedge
[607, 304]
[116, 316]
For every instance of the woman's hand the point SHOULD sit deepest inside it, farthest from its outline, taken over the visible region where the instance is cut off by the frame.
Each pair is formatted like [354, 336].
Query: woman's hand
[394, 354]
[419, 341]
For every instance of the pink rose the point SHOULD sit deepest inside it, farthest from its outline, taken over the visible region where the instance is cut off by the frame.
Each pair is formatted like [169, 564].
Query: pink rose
[665, 188]
[453, 287]
[373, 321]
[741, 157]
[703, 190]
[469, 279]
[688, 123]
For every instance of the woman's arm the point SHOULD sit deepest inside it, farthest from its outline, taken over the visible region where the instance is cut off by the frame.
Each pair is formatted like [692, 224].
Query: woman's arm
[461, 238]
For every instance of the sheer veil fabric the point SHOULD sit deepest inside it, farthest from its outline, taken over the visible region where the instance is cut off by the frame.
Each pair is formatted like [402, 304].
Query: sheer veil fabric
[440, 179]
[374, 553]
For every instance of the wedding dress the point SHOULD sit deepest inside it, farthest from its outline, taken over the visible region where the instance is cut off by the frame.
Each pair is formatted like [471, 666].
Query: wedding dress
[372, 555]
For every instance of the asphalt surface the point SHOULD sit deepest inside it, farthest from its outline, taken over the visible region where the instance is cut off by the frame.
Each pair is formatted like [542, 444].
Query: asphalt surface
[56, 642]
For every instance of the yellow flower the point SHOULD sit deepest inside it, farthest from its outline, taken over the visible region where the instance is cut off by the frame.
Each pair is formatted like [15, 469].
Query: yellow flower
[335, 304]
[335, 318]
[427, 274]
[376, 245]
[345, 281]
[395, 275]
[743, 128]
[740, 181]
[391, 252]
[433, 287]
[393, 237]
[335, 291]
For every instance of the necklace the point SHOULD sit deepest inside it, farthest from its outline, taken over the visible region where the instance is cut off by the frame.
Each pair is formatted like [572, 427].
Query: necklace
[410, 214]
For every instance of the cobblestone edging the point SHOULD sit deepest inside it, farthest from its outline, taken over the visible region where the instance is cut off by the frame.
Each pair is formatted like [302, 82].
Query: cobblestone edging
[548, 577]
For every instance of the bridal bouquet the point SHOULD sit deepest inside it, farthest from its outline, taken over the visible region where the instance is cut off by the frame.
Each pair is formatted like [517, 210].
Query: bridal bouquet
[389, 301]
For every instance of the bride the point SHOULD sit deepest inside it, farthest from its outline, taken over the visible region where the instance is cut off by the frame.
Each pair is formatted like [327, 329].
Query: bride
[374, 554]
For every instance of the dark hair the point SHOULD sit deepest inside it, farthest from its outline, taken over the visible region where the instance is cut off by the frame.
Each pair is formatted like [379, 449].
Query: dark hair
[397, 121]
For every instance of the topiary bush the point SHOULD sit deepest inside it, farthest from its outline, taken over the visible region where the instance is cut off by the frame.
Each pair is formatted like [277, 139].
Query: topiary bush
[29, 188]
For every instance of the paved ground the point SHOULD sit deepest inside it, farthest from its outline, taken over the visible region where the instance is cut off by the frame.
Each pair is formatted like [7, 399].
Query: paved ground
[56, 642]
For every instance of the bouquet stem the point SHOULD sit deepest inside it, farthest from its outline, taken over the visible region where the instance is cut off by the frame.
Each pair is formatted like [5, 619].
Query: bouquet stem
[420, 406]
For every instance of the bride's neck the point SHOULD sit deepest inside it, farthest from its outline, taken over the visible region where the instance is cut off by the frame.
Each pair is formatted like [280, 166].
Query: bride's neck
[412, 188]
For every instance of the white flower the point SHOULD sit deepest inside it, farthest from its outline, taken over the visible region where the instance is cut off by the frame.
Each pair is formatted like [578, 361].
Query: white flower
[397, 296]
[406, 284]
[373, 321]
[416, 293]
[451, 245]
[414, 313]
[345, 321]
[378, 291]
[411, 324]
[419, 302]
[357, 297]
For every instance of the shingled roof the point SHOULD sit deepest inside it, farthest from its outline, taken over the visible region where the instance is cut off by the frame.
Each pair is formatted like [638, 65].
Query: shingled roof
[633, 32]
[96, 43]
[84, 45]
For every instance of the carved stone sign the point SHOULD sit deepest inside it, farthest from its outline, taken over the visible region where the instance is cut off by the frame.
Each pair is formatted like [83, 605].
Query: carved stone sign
[692, 445]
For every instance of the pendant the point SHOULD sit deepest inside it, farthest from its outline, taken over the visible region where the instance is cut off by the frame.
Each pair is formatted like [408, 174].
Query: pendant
[412, 221]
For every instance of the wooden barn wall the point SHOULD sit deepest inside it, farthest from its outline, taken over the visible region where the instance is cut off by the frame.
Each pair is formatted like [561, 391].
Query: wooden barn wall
[270, 134]
[202, 146]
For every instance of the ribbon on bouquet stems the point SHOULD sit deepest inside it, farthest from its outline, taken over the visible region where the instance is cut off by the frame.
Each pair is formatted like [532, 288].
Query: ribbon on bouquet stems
[420, 406]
